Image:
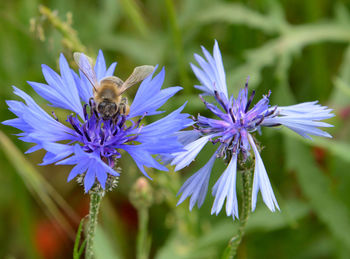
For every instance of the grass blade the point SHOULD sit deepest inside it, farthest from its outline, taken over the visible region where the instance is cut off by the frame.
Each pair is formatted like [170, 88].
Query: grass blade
[35, 183]
[76, 250]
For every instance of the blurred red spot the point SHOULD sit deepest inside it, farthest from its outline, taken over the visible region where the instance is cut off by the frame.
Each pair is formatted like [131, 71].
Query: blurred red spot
[319, 155]
[129, 215]
[83, 207]
[49, 238]
[344, 113]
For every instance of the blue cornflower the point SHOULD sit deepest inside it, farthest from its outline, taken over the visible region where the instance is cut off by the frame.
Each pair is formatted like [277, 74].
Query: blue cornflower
[236, 120]
[89, 142]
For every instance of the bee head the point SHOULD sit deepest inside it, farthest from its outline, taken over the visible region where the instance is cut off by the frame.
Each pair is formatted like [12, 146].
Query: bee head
[107, 109]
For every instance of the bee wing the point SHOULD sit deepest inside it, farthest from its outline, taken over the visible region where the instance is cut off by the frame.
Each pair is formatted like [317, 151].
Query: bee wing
[137, 76]
[112, 79]
[85, 64]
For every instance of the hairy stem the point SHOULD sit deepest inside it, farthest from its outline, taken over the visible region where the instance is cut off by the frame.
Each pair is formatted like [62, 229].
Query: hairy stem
[95, 201]
[142, 239]
[234, 242]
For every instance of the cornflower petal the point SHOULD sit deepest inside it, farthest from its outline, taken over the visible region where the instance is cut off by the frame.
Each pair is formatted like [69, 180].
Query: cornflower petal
[212, 73]
[56, 152]
[95, 167]
[165, 126]
[183, 137]
[303, 118]
[34, 121]
[261, 181]
[63, 89]
[188, 136]
[150, 97]
[184, 158]
[225, 188]
[100, 66]
[84, 86]
[90, 176]
[197, 185]
[143, 158]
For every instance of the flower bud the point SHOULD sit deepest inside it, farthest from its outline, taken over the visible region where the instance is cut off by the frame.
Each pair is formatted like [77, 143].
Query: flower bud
[141, 194]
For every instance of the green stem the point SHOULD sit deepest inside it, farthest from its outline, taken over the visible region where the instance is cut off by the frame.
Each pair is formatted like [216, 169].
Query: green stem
[70, 36]
[142, 240]
[95, 201]
[178, 44]
[233, 244]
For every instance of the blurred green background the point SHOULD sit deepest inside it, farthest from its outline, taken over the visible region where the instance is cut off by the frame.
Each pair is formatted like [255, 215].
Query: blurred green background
[298, 49]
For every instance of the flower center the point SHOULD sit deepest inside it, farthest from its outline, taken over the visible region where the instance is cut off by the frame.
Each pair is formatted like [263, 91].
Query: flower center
[98, 134]
[237, 120]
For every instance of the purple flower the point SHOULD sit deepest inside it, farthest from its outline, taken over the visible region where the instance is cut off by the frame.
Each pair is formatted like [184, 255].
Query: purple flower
[87, 141]
[232, 129]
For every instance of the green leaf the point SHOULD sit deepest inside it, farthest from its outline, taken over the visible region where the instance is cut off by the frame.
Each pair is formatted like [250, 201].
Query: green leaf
[316, 187]
[103, 248]
[342, 86]
[290, 42]
[340, 94]
[82, 248]
[76, 249]
[339, 149]
[133, 11]
[141, 50]
[260, 220]
[234, 13]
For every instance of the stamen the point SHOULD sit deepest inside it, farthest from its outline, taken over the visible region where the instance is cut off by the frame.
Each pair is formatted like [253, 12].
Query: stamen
[54, 115]
[207, 130]
[268, 113]
[122, 121]
[275, 125]
[96, 113]
[102, 137]
[139, 120]
[246, 82]
[70, 119]
[132, 138]
[202, 99]
[232, 115]
[92, 105]
[85, 112]
[220, 101]
[249, 101]
[215, 141]
[116, 131]
[260, 121]
[86, 133]
[221, 151]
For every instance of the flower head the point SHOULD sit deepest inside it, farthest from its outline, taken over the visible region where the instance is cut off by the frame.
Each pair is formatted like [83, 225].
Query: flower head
[88, 141]
[236, 119]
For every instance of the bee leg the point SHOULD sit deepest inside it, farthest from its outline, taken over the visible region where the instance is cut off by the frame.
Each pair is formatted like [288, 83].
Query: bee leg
[93, 107]
[91, 102]
[123, 106]
[115, 117]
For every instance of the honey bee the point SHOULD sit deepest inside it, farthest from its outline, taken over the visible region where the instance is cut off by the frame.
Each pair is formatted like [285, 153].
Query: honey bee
[108, 91]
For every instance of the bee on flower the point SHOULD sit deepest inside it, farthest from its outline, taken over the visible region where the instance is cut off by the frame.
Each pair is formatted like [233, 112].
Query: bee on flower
[98, 129]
